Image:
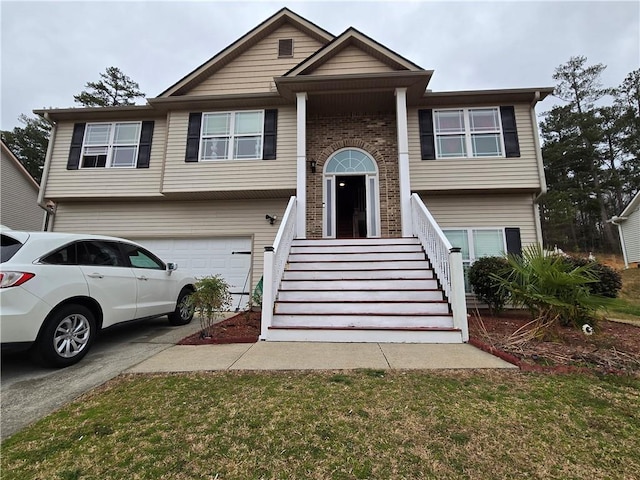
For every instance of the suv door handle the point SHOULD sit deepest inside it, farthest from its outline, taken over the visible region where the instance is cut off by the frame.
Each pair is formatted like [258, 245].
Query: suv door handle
[142, 277]
[95, 275]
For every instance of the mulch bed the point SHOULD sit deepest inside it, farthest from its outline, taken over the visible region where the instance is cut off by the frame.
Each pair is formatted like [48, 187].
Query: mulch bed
[241, 328]
[613, 348]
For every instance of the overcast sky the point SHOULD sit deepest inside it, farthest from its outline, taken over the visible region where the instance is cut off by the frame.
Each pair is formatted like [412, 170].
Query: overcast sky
[51, 49]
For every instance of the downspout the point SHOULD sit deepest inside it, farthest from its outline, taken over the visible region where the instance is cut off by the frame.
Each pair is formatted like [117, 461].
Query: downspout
[614, 221]
[49, 207]
[541, 176]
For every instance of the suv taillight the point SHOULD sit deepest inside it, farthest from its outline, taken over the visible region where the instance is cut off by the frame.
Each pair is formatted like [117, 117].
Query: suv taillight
[13, 279]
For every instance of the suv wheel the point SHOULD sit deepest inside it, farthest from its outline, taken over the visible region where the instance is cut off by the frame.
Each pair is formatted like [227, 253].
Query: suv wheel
[66, 336]
[183, 312]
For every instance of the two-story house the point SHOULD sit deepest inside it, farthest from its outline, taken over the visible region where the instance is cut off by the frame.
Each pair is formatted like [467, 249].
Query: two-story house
[332, 152]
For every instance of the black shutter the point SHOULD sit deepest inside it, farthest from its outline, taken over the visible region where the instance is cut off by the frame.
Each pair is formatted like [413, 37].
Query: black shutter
[144, 149]
[270, 129]
[514, 245]
[427, 141]
[510, 132]
[75, 152]
[193, 137]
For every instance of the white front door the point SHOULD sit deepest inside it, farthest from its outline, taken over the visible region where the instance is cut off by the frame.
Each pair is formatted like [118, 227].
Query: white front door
[350, 196]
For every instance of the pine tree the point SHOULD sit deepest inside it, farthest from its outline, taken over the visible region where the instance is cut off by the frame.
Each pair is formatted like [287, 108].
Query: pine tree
[114, 88]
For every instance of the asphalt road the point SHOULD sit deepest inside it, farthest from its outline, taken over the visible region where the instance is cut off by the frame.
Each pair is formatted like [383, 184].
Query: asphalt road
[29, 392]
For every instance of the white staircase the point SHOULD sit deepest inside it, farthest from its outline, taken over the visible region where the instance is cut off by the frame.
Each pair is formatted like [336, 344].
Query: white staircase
[361, 290]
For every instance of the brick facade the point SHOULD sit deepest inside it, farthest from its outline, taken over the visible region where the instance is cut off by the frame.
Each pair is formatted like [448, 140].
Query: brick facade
[376, 134]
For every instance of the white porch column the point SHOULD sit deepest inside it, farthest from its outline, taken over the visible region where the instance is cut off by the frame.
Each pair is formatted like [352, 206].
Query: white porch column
[301, 156]
[403, 162]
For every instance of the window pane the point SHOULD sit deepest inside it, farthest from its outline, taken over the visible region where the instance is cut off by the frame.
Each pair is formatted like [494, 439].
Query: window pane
[247, 147]
[459, 238]
[94, 157]
[216, 124]
[124, 157]
[484, 120]
[215, 148]
[449, 121]
[488, 243]
[248, 123]
[142, 259]
[486, 145]
[452, 146]
[97, 134]
[127, 133]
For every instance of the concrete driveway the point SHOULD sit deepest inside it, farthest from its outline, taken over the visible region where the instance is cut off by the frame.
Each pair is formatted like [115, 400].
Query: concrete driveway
[29, 392]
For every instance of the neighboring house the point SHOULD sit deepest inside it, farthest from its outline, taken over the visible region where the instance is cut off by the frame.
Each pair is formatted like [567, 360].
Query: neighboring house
[19, 208]
[342, 123]
[628, 223]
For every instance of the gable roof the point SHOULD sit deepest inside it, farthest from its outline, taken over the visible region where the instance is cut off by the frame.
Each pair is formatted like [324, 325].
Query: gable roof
[16, 163]
[241, 45]
[635, 203]
[349, 37]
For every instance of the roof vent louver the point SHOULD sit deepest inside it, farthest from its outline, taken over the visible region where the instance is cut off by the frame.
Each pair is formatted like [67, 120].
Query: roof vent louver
[285, 48]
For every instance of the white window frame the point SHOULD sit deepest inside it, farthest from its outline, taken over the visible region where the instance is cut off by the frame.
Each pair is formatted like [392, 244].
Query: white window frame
[110, 144]
[231, 154]
[467, 132]
[466, 263]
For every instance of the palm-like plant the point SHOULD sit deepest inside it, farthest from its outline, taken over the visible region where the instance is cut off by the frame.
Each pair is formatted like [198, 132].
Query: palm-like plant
[552, 289]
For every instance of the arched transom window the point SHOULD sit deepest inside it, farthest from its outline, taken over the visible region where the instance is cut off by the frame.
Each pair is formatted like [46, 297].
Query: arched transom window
[350, 162]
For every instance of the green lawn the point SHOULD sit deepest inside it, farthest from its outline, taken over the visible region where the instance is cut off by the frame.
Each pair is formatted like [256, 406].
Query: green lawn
[627, 305]
[363, 424]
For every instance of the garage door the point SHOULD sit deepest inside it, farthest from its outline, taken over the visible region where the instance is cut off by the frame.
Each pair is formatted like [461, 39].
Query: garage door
[209, 256]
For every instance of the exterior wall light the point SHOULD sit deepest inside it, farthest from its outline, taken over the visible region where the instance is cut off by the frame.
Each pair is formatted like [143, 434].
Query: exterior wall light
[312, 165]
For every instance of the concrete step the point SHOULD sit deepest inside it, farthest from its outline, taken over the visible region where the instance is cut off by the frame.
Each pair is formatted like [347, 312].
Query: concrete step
[370, 249]
[363, 321]
[346, 265]
[356, 241]
[359, 295]
[416, 273]
[362, 308]
[357, 256]
[364, 335]
[365, 285]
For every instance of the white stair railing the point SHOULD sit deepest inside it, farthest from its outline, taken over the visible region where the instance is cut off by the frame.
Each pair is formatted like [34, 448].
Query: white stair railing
[445, 260]
[275, 261]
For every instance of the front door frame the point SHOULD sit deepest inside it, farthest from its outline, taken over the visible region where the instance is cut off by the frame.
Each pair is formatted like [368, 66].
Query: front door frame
[372, 192]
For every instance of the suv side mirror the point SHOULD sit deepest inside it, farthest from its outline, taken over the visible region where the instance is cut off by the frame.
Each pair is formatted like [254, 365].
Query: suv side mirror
[172, 266]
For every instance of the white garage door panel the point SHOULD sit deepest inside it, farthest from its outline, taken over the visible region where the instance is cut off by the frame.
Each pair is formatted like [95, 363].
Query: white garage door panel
[208, 256]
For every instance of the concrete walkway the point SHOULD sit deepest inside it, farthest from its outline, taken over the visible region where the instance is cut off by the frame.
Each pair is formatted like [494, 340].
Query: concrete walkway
[318, 356]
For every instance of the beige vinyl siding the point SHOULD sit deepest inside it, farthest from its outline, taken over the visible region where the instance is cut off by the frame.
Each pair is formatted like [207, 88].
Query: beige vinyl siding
[104, 182]
[253, 71]
[230, 175]
[485, 211]
[19, 208]
[352, 60]
[476, 173]
[631, 235]
[178, 219]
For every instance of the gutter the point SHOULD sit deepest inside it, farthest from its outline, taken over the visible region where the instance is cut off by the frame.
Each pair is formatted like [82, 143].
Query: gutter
[614, 221]
[49, 207]
[536, 141]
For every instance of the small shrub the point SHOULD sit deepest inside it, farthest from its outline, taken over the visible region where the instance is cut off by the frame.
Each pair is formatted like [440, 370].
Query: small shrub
[486, 287]
[609, 281]
[210, 299]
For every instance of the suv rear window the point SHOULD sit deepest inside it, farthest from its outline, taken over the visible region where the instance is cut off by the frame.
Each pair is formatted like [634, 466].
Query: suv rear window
[8, 247]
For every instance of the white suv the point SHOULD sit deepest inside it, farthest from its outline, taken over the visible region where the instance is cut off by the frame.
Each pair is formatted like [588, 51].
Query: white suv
[57, 290]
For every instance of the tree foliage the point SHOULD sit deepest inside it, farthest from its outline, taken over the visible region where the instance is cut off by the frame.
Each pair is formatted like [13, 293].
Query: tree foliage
[29, 143]
[114, 88]
[590, 151]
